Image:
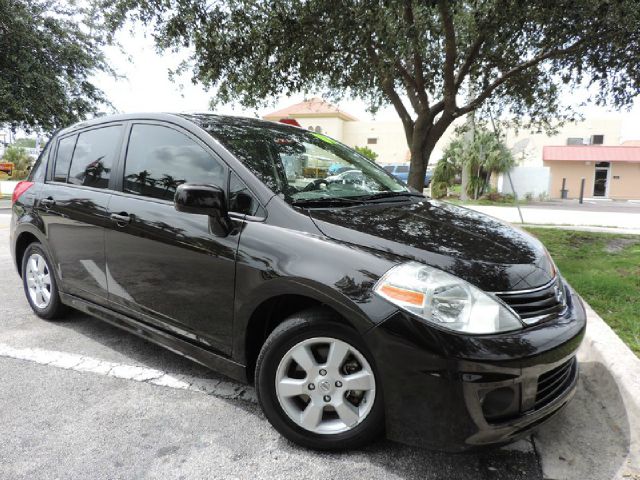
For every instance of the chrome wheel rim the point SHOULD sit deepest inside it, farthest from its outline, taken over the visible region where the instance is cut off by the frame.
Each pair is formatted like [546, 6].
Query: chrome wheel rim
[38, 281]
[325, 385]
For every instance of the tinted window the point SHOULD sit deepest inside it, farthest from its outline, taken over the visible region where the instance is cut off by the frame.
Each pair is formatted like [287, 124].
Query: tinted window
[161, 158]
[301, 165]
[402, 169]
[40, 167]
[63, 159]
[388, 168]
[241, 200]
[94, 156]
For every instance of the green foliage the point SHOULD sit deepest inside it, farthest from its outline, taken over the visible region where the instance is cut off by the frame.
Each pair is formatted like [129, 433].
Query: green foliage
[367, 152]
[421, 57]
[482, 155]
[439, 189]
[21, 162]
[25, 142]
[48, 53]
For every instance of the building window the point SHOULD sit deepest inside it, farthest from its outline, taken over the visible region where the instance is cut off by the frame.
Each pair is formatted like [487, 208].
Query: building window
[602, 164]
[597, 139]
[372, 141]
[575, 141]
[318, 129]
[310, 128]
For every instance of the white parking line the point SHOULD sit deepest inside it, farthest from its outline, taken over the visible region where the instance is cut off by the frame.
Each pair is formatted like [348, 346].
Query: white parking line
[82, 363]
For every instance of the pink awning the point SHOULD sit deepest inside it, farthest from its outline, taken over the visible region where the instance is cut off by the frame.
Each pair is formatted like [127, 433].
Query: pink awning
[591, 153]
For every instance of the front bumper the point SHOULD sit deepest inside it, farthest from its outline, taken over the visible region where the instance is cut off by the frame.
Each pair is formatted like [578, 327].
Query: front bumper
[453, 392]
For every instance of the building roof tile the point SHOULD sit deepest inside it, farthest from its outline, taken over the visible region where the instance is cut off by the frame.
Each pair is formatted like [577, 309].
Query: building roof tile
[314, 107]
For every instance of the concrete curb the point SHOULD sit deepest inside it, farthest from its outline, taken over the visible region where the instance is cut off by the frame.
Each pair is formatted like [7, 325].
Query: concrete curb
[602, 345]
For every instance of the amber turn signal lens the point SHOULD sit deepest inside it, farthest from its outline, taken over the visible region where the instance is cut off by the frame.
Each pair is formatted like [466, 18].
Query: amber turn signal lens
[403, 295]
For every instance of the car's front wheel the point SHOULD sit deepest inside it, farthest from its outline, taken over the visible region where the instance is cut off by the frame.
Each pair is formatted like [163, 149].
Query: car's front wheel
[39, 283]
[317, 384]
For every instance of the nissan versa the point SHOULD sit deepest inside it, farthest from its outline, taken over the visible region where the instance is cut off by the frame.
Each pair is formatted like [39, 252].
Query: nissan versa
[356, 305]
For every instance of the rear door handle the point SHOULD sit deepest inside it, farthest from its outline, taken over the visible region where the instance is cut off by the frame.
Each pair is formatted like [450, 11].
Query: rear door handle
[121, 219]
[48, 202]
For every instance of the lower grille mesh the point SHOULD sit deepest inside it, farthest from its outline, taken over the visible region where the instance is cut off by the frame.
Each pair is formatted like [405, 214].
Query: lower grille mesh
[554, 383]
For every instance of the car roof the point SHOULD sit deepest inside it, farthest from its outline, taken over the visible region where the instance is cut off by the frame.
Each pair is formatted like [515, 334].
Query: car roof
[199, 119]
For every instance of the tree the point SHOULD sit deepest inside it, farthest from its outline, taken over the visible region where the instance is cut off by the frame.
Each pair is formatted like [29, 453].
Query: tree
[483, 154]
[48, 54]
[423, 57]
[366, 152]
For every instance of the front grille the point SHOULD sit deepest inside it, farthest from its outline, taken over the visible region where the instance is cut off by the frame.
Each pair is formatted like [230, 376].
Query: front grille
[538, 303]
[554, 383]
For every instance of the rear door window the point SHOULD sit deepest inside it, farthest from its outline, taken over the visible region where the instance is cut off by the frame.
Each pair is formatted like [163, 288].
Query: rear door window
[63, 158]
[94, 156]
[160, 158]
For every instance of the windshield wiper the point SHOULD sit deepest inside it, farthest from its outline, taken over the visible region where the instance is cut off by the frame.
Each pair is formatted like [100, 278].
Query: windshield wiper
[325, 201]
[390, 195]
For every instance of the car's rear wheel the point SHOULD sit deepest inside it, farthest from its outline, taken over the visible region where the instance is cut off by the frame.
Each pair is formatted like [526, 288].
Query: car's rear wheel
[317, 384]
[40, 284]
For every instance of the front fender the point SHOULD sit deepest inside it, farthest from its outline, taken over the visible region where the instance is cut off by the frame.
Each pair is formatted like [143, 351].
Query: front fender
[273, 261]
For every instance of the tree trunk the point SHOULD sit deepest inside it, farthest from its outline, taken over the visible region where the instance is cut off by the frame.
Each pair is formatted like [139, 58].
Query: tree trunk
[425, 136]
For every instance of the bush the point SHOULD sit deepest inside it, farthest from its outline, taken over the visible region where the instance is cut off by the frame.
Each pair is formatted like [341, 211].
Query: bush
[367, 152]
[439, 189]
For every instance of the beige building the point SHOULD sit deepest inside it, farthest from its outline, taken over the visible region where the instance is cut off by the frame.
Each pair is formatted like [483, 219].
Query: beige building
[608, 171]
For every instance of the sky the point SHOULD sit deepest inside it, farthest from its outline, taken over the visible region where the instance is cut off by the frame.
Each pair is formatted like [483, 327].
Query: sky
[146, 87]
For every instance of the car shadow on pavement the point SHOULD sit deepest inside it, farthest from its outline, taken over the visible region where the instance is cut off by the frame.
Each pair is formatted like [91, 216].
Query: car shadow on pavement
[590, 438]
[398, 460]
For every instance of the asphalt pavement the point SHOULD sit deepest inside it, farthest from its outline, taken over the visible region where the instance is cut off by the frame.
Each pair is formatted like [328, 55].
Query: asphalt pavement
[82, 399]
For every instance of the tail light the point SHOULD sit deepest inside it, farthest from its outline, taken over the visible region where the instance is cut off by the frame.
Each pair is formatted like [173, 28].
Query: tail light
[21, 187]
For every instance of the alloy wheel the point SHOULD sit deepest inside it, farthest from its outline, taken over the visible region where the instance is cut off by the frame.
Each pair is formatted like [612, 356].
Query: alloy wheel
[325, 385]
[38, 281]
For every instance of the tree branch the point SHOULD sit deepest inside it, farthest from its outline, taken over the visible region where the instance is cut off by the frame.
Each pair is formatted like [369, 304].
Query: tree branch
[449, 56]
[388, 88]
[474, 50]
[486, 93]
[417, 58]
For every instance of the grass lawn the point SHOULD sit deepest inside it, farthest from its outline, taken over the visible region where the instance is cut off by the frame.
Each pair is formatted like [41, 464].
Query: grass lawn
[605, 269]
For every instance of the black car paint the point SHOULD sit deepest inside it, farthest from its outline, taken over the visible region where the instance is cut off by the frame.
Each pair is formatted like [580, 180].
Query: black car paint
[174, 282]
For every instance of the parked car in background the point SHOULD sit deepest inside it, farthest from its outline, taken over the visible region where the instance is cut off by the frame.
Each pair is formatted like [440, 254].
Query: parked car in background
[401, 172]
[356, 306]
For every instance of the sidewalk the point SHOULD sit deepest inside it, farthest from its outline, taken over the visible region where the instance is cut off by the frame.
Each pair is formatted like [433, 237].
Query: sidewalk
[627, 221]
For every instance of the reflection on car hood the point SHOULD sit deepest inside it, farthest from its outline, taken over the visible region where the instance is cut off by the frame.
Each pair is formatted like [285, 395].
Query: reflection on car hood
[478, 248]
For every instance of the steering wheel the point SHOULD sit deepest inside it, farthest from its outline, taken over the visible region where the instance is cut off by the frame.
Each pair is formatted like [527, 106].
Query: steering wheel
[315, 185]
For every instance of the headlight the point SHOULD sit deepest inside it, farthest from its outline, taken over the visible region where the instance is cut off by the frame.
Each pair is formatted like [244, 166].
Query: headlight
[445, 300]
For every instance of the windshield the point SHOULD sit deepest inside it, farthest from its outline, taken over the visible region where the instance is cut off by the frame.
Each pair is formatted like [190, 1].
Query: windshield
[304, 166]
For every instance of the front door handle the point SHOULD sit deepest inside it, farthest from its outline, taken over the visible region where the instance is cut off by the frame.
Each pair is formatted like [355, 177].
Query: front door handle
[121, 219]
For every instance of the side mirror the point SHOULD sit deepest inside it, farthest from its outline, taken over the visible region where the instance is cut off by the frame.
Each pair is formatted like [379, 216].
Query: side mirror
[204, 200]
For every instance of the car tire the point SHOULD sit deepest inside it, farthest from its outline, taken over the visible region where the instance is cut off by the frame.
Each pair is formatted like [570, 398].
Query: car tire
[341, 419]
[40, 285]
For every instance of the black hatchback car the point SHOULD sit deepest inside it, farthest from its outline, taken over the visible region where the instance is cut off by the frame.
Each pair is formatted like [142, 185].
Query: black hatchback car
[356, 305]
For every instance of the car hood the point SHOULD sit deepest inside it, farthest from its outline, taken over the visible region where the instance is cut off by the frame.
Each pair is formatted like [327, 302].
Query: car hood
[475, 247]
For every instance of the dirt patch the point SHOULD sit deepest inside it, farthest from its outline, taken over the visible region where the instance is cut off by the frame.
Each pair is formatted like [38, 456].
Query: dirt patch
[618, 244]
